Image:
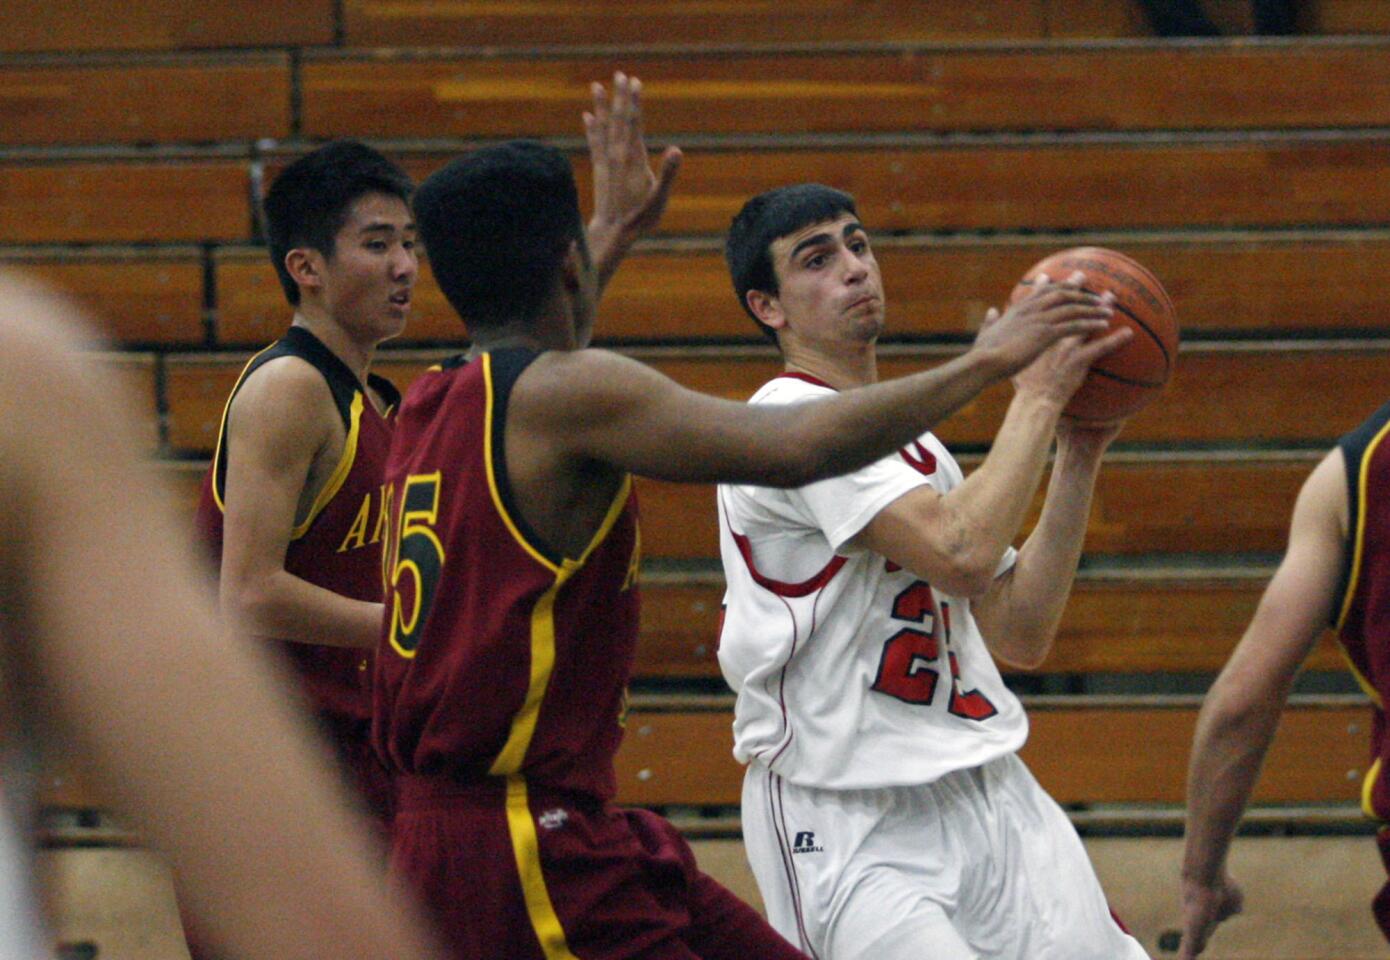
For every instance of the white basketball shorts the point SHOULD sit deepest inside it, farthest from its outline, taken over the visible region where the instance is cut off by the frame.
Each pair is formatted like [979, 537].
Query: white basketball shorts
[980, 865]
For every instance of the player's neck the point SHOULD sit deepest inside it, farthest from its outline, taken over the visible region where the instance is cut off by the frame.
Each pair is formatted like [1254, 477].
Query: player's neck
[357, 355]
[844, 367]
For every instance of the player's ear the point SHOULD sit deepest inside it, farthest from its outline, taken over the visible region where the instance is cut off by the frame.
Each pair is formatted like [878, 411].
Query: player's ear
[304, 267]
[767, 308]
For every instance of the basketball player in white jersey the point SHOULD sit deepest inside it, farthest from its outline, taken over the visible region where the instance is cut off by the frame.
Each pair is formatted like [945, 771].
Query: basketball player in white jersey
[111, 655]
[885, 813]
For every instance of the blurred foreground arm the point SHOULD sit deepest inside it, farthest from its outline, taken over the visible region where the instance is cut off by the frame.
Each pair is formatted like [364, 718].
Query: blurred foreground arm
[185, 728]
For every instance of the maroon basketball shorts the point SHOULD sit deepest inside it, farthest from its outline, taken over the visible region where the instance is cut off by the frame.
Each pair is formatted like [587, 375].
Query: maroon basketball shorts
[520, 872]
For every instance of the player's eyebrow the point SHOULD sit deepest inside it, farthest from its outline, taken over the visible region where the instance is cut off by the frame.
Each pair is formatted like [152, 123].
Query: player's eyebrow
[815, 239]
[382, 226]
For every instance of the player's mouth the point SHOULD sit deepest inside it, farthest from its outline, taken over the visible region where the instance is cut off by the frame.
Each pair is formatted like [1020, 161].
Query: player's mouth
[401, 299]
[866, 300]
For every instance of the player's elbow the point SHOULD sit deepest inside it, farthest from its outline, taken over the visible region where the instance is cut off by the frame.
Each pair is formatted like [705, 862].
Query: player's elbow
[246, 601]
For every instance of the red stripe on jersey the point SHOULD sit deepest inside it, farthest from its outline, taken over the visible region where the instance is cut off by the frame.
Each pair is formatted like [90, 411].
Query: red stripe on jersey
[803, 589]
[796, 375]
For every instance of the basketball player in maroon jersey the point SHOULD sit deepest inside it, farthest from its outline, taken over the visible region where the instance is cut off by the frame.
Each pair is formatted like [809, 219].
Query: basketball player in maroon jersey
[1336, 572]
[112, 658]
[512, 567]
[292, 503]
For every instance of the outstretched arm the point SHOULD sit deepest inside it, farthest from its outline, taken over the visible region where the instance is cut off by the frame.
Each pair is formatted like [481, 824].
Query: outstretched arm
[184, 727]
[1242, 709]
[629, 197]
[591, 405]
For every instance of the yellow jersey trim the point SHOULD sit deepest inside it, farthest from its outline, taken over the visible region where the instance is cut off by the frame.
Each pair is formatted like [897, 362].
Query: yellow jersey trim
[340, 473]
[1358, 549]
[1362, 476]
[513, 753]
[222, 427]
[1367, 787]
[526, 849]
[493, 489]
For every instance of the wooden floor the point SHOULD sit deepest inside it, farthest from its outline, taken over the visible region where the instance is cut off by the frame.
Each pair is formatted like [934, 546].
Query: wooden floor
[1307, 898]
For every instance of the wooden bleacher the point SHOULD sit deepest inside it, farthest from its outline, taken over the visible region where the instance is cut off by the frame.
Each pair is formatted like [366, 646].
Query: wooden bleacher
[191, 99]
[813, 90]
[1253, 176]
[1268, 393]
[678, 292]
[1139, 759]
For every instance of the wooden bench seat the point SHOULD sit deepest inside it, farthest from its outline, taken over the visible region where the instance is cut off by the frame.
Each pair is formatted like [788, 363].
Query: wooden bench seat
[1082, 752]
[125, 201]
[188, 100]
[894, 90]
[531, 23]
[1222, 283]
[134, 297]
[33, 25]
[1221, 393]
[1144, 504]
[1236, 393]
[1081, 182]
[1183, 621]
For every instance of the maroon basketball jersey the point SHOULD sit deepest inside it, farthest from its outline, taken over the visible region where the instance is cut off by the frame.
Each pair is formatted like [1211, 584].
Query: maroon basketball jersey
[1363, 620]
[500, 657]
[338, 546]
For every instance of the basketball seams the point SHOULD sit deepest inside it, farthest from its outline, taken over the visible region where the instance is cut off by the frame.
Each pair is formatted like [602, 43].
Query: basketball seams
[1144, 304]
[1158, 340]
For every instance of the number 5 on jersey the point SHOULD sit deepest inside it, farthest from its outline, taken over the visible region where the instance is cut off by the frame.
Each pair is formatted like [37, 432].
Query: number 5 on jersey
[416, 559]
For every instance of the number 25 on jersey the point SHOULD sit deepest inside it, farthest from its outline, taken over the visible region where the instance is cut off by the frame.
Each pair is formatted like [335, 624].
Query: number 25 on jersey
[906, 671]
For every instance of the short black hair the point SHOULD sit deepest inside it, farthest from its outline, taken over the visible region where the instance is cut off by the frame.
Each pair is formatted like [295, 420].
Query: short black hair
[311, 198]
[496, 225]
[764, 219]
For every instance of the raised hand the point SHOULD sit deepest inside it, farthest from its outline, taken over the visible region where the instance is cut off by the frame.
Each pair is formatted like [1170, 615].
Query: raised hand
[629, 196]
[1048, 313]
[1059, 370]
[1203, 909]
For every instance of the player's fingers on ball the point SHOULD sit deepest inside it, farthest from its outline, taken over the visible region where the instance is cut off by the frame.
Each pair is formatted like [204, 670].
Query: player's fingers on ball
[1108, 344]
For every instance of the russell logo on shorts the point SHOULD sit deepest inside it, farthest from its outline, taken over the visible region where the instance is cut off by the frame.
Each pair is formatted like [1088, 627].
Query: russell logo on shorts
[554, 819]
[805, 842]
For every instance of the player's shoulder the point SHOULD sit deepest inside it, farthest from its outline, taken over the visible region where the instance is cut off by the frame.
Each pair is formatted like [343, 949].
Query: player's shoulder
[285, 396]
[791, 388]
[584, 382]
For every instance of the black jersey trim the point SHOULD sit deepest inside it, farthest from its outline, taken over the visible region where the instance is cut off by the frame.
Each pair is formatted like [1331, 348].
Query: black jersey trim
[507, 367]
[1356, 447]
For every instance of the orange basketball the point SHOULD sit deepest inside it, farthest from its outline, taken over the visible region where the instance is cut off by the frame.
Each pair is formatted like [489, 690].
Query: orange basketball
[1126, 380]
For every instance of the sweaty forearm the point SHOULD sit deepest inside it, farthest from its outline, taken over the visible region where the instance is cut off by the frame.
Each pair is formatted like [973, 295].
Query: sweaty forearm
[287, 607]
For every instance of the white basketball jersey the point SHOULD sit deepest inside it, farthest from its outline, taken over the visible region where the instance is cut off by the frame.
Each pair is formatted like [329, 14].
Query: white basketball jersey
[850, 672]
